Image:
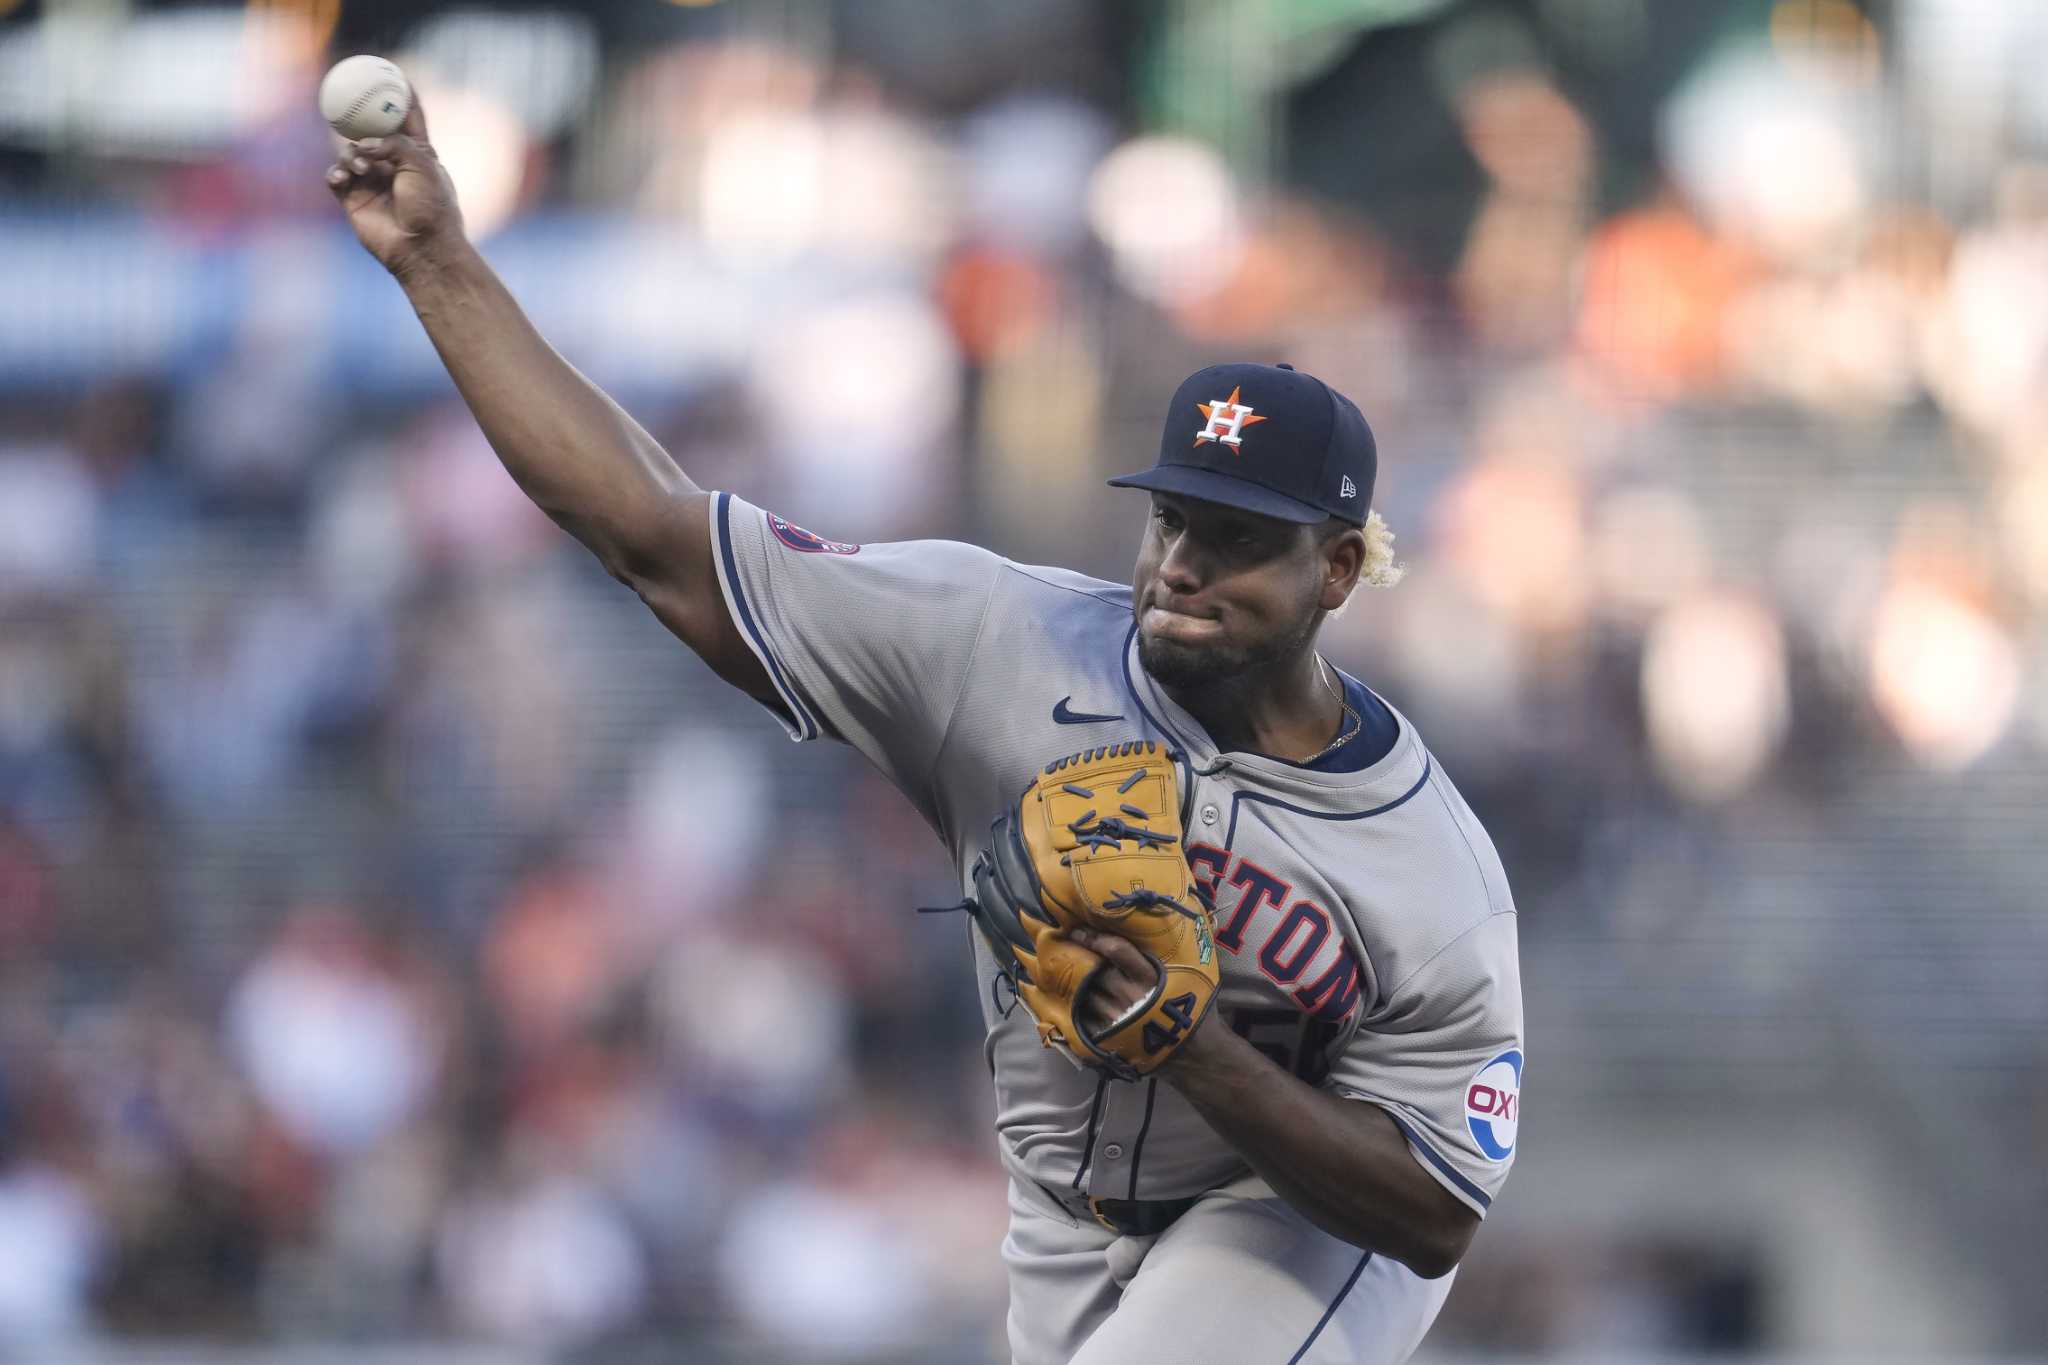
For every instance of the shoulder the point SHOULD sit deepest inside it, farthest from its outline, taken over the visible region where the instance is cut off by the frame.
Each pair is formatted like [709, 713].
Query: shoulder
[1468, 841]
[1408, 860]
[953, 563]
[1067, 612]
[1050, 584]
[1457, 889]
[737, 523]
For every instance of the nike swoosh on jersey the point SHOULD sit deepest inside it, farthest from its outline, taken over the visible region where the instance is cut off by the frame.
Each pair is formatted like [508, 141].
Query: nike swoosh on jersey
[1063, 716]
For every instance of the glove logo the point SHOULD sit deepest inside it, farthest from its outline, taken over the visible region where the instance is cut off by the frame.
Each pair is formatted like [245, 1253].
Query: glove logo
[1227, 420]
[797, 538]
[1180, 1013]
[1493, 1105]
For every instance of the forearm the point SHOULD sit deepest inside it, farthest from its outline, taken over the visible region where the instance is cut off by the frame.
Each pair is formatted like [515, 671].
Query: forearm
[574, 451]
[1342, 1163]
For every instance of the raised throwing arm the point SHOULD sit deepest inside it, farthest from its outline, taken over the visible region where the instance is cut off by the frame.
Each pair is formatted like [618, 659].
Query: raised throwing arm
[574, 451]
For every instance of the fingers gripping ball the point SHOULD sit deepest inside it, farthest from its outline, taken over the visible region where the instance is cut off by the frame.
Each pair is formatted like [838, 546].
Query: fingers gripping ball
[1095, 841]
[364, 97]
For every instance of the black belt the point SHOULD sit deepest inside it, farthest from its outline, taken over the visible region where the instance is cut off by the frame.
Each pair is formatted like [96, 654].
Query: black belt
[1139, 1217]
[1126, 1217]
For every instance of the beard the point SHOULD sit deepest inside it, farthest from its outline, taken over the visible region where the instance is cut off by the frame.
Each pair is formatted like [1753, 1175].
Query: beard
[1189, 668]
[1209, 670]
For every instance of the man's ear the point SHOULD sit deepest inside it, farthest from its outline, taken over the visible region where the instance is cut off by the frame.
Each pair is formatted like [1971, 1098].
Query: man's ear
[1343, 556]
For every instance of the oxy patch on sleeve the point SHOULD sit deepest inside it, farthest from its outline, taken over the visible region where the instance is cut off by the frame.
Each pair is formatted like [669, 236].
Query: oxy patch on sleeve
[1493, 1104]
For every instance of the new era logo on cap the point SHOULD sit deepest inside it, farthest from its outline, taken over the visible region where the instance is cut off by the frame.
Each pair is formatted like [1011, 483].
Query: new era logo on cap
[1312, 457]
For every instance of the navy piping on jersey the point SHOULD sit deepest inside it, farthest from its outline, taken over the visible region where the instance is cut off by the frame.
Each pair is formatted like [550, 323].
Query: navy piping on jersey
[1331, 1311]
[1130, 685]
[1138, 1147]
[1088, 1143]
[1484, 1200]
[1338, 760]
[1238, 798]
[1371, 973]
[806, 724]
[1371, 740]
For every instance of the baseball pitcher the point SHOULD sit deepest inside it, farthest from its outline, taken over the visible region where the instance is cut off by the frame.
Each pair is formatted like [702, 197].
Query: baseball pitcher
[1253, 1013]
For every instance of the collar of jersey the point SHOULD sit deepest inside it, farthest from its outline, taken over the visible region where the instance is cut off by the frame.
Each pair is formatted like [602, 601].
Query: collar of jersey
[1392, 775]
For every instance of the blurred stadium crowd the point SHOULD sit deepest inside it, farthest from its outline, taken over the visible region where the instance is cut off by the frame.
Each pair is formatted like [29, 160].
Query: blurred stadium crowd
[400, 936]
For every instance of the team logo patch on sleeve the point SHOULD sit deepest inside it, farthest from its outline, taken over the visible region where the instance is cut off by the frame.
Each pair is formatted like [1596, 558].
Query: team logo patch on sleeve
[1493, 1105]
[797, 538]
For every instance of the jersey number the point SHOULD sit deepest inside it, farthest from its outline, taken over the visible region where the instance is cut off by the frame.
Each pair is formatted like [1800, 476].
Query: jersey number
[1181, 1010]
[1297, 1043]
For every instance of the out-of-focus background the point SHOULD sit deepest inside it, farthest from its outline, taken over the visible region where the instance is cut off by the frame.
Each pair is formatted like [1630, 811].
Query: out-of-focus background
[408, 953]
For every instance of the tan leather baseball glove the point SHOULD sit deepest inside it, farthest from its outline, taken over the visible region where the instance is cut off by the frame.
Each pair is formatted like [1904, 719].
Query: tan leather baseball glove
[1096, 840]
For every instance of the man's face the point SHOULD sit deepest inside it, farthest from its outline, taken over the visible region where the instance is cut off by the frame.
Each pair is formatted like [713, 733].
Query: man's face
[1221, 592]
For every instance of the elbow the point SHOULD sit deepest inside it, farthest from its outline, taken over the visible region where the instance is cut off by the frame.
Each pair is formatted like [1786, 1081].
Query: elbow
[1437, 1251]
[1432, 1249]
[1433, 1264]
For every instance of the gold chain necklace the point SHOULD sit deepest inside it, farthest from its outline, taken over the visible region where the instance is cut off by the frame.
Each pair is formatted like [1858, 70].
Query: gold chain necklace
[1343, 734]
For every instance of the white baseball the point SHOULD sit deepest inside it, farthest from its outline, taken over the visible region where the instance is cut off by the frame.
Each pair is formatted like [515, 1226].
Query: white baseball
[364, 97]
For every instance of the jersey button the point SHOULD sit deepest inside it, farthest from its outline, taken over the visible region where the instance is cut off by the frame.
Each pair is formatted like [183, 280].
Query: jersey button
[1209, 815]
[1113, 1151]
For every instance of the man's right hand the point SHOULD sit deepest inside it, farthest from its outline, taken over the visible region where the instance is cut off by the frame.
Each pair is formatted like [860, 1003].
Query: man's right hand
[580, 457]
[397, 197]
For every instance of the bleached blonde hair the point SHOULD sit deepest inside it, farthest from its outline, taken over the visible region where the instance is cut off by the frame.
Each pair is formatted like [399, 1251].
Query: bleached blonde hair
[1380, 570]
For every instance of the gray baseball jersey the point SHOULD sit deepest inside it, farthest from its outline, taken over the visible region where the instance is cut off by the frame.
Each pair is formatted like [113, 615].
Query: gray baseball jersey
[1367, 933]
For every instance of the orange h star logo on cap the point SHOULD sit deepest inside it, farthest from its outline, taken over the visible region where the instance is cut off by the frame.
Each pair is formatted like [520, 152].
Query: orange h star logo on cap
[1227, 420]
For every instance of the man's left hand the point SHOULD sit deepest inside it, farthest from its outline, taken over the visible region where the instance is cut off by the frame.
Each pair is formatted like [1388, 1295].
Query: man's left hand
[1128, 978]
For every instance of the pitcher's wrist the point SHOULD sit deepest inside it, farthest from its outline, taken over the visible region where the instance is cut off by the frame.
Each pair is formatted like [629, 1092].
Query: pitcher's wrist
[442, 263]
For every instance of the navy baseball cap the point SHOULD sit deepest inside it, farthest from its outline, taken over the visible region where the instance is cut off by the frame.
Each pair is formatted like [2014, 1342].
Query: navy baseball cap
[1267, 439]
